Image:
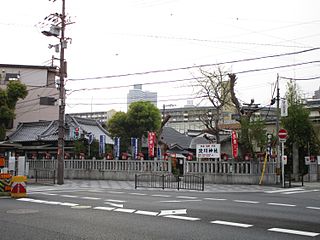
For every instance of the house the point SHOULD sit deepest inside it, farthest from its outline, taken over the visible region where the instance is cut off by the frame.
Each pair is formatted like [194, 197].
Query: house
[39, 139]
[41, 101]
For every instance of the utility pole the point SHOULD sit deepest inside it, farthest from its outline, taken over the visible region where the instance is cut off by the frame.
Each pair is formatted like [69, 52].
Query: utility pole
[62, 94]
[277, 129]
[58, 30]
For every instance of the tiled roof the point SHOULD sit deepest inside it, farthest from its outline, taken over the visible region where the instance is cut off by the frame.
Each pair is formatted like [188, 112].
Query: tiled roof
[48, 130]
[171, 137]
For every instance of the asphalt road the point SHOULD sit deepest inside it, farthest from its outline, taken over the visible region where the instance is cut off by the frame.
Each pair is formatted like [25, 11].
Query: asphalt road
[85, 213]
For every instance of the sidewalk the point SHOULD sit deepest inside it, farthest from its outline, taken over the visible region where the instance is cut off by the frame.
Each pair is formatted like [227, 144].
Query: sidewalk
[129, 185]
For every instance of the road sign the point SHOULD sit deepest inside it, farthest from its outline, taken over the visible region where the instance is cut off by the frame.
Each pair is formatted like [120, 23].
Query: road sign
[282, 134]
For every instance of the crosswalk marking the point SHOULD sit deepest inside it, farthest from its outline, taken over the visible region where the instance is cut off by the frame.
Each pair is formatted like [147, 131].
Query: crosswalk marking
[304, 191]
[148, 213]
[245, 201]
[285, 190]
[173, 212]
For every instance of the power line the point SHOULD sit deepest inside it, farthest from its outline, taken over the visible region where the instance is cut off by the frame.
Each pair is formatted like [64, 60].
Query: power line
[194, 66]
[301, 79]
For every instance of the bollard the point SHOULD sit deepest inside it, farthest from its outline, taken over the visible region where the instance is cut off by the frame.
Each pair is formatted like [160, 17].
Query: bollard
[18, 187]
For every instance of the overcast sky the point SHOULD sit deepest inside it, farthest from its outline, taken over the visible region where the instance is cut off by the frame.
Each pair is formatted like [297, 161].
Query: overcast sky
[115, 37]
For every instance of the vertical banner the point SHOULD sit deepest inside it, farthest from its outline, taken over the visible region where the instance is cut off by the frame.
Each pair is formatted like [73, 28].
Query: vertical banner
[116, 147]
[151, 141]
[134, 147]
[102, 144]
[234, 142]
[284, 107]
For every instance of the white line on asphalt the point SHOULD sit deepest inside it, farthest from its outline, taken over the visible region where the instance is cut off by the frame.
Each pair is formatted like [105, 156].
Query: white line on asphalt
[25, 199]
[180, 201]
[282, 204]
[39, 201]
[297, 232]
[104, 208]
[315, 208]
[138, 194]
[182, 217]
[115, 192]
[48, 194]
[285, 190]
[148, 213]
[215, 199]
[69, 196]
[81, 207]
[114, 204]
[52, 203]
[69, 204]
[234, 224]
[125, 210]
[186, 197]
[244, 201]
[172, 212]
[305, 191]
[160, 195]
[90, 198]
[115, 200]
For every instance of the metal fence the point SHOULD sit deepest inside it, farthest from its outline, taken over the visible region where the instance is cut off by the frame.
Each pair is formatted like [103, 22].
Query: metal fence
[42, 176]
[189, 182]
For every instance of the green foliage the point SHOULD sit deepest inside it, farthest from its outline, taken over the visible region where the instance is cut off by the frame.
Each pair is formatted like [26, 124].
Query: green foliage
[8, 99]
[141, 117]
[300, 129]
[252, 132]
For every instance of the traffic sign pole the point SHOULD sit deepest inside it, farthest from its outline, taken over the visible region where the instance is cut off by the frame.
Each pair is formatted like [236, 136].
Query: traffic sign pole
[282, 134]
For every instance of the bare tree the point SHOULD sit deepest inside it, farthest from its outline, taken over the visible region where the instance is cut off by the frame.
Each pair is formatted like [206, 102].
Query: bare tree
[215, 87]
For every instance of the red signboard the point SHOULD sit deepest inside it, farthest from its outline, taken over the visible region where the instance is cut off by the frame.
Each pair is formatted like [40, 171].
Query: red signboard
[151, 141]
[282, 134]
[234, 142]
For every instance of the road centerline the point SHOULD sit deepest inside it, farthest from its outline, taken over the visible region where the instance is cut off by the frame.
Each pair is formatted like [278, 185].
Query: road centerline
[296, 232]
[234, 224]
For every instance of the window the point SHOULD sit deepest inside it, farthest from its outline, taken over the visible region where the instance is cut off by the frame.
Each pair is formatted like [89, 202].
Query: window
[49, 101]
[12, 76]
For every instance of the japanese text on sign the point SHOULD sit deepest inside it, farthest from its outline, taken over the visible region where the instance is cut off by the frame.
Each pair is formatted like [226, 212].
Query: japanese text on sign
[208, 150]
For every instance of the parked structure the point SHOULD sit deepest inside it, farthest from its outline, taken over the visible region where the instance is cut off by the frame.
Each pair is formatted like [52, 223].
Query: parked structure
[40, 103]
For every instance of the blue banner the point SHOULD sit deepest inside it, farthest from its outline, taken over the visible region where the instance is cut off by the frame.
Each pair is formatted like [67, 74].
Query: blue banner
[116, 147]
[134, 147]
[102, 144]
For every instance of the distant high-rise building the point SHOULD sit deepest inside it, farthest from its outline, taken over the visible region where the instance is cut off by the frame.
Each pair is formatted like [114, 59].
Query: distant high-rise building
[316, 94]
[136, 94]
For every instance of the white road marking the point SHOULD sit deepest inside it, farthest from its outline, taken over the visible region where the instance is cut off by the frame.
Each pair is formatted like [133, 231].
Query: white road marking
[186, 197]
[285, 190]
[69, 204]
[180, 201]
[25, 199]
[90, 198]
[215, 199]
[315, 208]
[104, 208]
[115, 192]
[282, 204]
[297, 232]
[69, 196]
[81, 207]
[244, 201]
[182, 217]
[114, 204]
[138, 194]
[114, 200]
[172, 212]
[234, 224]
[160, 195]
[305, 191]
[148, 213]
[52, 203]
[48, 194]
[125, 210]
[39, 201]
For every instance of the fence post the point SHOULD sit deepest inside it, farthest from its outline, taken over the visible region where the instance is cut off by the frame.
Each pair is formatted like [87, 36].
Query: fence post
[162, 181]
[135, 181]
[178, 177]
[54, 176]
[202, 179]
[36, 175]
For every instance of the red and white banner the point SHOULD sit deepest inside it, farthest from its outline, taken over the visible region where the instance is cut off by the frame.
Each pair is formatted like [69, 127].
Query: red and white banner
[234, 143]
[151, 143]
